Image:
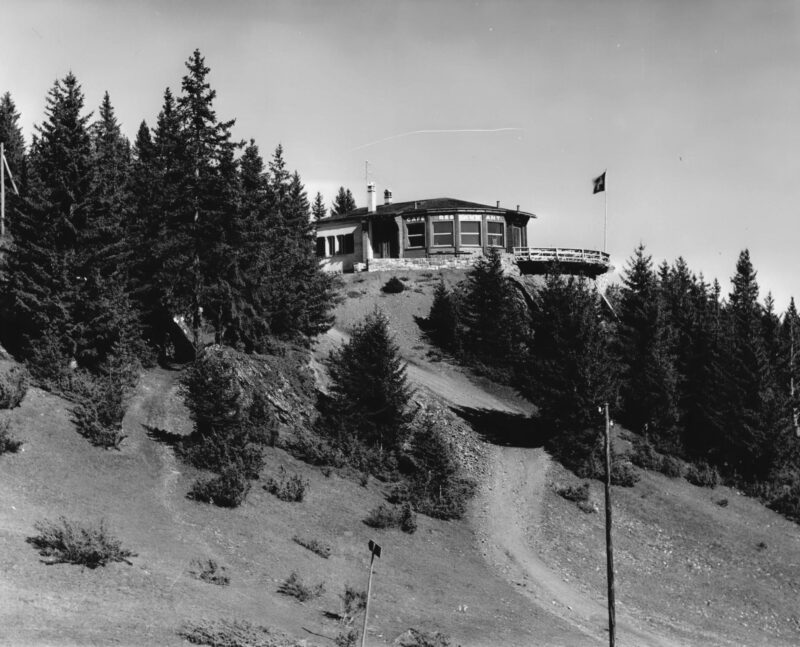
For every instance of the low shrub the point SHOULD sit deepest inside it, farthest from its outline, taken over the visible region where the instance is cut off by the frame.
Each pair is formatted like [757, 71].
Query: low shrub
[644, 455]
[296, 588]
[100, 408]
[8, 444]
[287, 488]
[353, 601]
[416, 638]
[787, 501]
[227, 633]
[13, 386]
[68, 542]
[209, 571]
[314, 545]
[227, 490]
[575, 493]
[402, 517]
[624, 474]
[347, 638]
[703, 475]
[214, 450]
[722, 503]
[393, 286]
[671, 466]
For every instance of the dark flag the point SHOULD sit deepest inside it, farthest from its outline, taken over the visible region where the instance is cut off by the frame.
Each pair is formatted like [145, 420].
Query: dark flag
[599, 183]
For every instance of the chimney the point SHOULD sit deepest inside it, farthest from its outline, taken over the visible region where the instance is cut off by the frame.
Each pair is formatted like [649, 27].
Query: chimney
[498, 204]
[387, 197]
[371, 204]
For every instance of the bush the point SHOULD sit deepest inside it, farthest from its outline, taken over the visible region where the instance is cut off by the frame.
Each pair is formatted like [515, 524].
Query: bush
[644, 455]
[416, 638]
[402, 517]
[100, 407]
[575, 493]
[227, 490]
[348, 638]
[287, 488]
[13, 386]
[624, 474]
[215, 450]
[209, 571]
[703, 475]
[671, 466]
[68, 542]
[296, 588]
[787, 501]
[353, 601]
[393, 286]
[227, 633]
[314, 545]
[8, 444]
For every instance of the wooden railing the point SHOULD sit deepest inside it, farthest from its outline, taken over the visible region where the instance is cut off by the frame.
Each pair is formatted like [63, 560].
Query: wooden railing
[561, 255]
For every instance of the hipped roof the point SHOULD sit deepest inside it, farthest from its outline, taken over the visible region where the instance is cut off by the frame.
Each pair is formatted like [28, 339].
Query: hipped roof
[424, 206]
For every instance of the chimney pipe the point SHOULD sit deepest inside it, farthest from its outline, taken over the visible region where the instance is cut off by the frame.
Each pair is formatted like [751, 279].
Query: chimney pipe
[371, 198]
[517, 207]
[498, 204]
[387, 197]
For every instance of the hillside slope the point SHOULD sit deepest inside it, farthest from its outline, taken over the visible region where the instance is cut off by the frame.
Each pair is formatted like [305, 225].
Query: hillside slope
[525, 568]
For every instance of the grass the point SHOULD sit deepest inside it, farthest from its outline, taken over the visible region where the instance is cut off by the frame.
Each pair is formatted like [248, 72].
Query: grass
[66, 541]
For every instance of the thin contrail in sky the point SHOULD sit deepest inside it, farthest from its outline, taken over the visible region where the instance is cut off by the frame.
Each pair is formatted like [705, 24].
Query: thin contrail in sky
[428, 132]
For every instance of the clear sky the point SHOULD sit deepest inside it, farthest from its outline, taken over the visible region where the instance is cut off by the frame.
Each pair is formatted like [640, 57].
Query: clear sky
[693, 107]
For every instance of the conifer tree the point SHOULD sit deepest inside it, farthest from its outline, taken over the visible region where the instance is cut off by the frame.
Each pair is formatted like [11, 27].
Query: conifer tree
[649, 381]
[318, 210]
[14, 144]
[45, 267]
[570, 369]
[343, 202]
[369, 387]
[443, 320]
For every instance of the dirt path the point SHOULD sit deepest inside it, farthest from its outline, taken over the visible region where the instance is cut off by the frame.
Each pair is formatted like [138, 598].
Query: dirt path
[506, 513]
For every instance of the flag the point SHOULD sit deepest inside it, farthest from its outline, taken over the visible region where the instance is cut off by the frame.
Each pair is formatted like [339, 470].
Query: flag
[599, 183]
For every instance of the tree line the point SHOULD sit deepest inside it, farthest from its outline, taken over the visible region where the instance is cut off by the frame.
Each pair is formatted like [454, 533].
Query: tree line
[111, 240]
[697, 374]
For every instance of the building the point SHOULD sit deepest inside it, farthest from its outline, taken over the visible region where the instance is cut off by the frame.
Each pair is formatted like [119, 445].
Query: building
[442, 232]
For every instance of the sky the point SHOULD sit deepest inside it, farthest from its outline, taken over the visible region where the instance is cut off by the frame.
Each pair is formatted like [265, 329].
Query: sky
[691, 107]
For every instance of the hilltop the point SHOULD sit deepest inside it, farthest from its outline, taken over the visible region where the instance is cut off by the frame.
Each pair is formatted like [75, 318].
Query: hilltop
[524, 567]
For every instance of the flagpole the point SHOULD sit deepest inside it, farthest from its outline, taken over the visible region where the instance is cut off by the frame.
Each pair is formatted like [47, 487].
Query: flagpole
[605, 210]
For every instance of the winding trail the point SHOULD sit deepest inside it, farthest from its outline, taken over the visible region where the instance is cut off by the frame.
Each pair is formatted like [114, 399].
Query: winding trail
[506, 513]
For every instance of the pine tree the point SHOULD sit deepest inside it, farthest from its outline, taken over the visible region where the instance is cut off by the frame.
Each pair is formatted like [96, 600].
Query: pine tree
[343, 202]
[369, 387]
[318, 210]
[45, 269]
[571, 373]
[492, 315]
[649, 381]
[14, 144]
[443, 320]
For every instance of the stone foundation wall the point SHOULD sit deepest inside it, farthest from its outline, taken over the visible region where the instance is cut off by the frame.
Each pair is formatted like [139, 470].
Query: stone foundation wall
[438, 262]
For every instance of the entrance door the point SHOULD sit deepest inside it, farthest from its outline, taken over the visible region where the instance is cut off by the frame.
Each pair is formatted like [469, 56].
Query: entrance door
[385, 238]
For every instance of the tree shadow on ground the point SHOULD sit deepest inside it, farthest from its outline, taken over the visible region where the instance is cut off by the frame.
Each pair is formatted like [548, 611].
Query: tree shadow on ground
[503, 427]
[163, 436]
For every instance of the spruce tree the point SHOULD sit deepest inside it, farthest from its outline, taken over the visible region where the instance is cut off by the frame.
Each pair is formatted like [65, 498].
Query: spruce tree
[46, 270]
[649, 381]
[443, 319]
[318, 210]
[343, 202]
[369, 387]
[14, 144]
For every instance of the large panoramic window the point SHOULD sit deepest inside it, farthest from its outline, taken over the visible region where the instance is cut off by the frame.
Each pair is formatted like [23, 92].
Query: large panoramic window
[495, 233]
[416, 234]
[443, 233]
[470, 233]
[349, 244]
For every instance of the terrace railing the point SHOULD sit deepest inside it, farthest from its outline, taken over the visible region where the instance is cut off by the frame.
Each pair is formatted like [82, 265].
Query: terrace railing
[561, 255]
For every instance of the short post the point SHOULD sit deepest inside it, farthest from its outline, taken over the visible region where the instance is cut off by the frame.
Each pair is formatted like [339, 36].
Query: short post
[375, 551]
[609, 547]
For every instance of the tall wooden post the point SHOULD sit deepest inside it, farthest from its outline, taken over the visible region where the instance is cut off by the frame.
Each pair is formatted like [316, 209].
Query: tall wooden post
[374, 549]
[2, 190]
[609, 546]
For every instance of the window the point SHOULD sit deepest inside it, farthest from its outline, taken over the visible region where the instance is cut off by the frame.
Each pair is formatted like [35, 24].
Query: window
[321, 247]
[349, 246]
[471, 234]
[443, 233]
[331, 245]
[340, 243]
[495, 232]
[416, 234]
